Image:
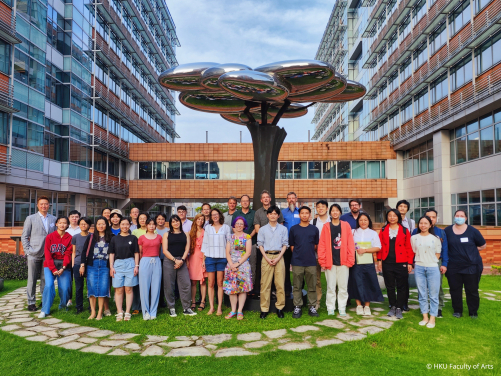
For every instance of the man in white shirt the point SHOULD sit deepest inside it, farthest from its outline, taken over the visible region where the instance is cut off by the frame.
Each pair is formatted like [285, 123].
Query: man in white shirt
[74, 228]
[321, 208]
[185, 222]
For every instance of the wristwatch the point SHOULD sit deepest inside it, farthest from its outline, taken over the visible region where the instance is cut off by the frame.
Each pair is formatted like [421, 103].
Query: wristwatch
[184, 260]
[64, 267]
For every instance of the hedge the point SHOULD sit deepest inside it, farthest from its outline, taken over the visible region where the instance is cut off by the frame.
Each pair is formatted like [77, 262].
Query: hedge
[13, 267]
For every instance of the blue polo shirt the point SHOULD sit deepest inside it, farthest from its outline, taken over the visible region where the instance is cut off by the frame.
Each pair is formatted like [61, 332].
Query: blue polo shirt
[348, 217]
[290, 218]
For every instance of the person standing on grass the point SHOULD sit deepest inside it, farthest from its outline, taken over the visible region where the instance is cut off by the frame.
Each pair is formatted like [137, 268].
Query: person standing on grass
[291, 218]
[232, 206]
[181, 212]
[57, 265]
[78, 241]
[134, 214]
[336, 254]
[196, 266]
[35, 230]
[216, 235]
[206, 212]
[138, 232]
[444, 256]
[465, 264]
[115, 217]
[73, 229]
[160, 221]
[272, 240]
[427, 247]
[237, 275]
[150, 270]
[403, 207]
[303, 242]
[395, 260]
[323, 217]
[97, 265]
[176, 247]
[124, 268]
[363, 285]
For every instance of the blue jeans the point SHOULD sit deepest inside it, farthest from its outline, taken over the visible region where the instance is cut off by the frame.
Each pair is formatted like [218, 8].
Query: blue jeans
[49, 291]
[428, 283]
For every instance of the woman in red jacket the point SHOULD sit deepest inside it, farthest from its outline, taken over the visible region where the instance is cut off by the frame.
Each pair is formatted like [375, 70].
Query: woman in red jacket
[57, 264]
[395, 260]
[336, 254]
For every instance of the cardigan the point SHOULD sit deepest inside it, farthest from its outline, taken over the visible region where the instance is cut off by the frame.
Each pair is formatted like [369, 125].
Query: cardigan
[347, 251]
[403, 249]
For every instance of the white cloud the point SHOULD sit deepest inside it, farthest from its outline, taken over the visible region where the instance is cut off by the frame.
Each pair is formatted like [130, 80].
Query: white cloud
[247, 32]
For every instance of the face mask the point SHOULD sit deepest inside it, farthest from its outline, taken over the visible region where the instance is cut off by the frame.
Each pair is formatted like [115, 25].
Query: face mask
[459, 220]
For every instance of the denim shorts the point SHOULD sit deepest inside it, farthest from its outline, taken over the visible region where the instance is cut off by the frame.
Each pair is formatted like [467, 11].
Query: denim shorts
[124, 273]
[215, 264]
[98, 279]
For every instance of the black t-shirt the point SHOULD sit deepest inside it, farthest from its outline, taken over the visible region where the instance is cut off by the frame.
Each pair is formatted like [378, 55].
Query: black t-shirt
[176, 243]
[336, 243]
[464, 256]
[123, 247]
[303, 239]
[391, 258]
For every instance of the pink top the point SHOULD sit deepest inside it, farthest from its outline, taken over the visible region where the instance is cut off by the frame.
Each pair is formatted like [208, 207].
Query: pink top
[151, 247]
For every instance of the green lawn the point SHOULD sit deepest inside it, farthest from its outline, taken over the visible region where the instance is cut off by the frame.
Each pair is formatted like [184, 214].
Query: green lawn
[405, 348]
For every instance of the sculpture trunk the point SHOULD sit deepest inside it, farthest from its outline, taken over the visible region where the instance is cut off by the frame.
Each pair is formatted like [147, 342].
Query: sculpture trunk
[267, 141]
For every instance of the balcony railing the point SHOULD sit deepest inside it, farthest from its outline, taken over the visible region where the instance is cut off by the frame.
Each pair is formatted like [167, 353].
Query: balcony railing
[8, 26]
[109, 185]
[110, 143]
[472, 93]
[7, 97]
[5, 163]
[338, 123]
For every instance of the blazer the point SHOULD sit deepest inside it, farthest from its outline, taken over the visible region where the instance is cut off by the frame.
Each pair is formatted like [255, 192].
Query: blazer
[34, 234]
[403, 248]
[347, 251]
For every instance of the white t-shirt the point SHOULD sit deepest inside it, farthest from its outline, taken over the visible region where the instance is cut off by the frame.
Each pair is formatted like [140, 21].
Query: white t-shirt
[319, 224]
[425, 248]
[73, 231]
[360, 235]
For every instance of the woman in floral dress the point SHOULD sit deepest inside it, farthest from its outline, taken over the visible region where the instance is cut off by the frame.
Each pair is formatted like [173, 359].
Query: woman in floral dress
[237, 275]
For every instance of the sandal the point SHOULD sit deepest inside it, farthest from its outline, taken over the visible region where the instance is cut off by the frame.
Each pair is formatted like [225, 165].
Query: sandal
[193, 306]
[201, 307]
[119, 316]
[230, 315]
[127, 317]
[240, 316]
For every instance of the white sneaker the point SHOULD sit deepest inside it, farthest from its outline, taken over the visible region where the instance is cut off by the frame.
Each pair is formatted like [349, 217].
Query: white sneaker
[189, 312]
[330, 313]
[146, 316]
[342, 313]
[430, 325]
[423, 323]
[360, 310]
[41, 315]
[367, 311]
[69, 304]
[172, 312]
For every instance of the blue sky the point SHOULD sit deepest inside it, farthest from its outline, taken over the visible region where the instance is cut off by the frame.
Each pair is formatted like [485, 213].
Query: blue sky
[247, 32]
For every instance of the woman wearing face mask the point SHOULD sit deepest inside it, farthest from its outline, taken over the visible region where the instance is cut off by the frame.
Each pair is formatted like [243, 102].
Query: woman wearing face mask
[465, 264]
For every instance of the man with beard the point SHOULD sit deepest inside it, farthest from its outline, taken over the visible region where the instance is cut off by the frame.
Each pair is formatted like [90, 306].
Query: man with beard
[351, 217]
[291, 218]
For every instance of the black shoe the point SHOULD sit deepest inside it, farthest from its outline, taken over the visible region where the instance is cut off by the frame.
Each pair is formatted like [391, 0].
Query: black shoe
[79, 310]
[263, 315]
[32, 308]
[406, 308]
[298, 312]
[280, 313]
[474, 317]
[389, 306]
[440, 314]
[313, 312]
[255, 297]
[457, 315]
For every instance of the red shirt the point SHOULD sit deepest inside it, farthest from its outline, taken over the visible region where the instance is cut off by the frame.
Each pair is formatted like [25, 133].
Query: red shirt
[57, 248]
[403, 249]
[151, 247]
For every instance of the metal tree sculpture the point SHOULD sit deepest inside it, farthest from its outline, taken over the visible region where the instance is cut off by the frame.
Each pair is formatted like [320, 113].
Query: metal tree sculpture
[258, 99]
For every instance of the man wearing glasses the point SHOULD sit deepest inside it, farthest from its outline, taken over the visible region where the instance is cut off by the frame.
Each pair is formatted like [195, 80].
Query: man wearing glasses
[185, 222]
[351, 217]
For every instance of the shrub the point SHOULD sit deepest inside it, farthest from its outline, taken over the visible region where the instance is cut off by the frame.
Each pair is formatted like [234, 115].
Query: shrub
[13, 267]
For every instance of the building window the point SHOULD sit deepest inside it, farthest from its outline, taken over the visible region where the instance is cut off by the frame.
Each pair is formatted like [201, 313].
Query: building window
[419, 160]
[419, 207]
[420, 56]
[439, 89]
[438, 38]
[461, 73]
[489, 54]
[483, 208]
[419, 11]
[459, 17]
[405, 70]
[481, 4]
[421, 101]
[406, 111]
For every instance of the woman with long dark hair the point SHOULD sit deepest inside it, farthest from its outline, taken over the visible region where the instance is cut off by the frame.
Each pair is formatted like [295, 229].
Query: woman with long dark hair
[395, 260]
[97, 264]
[196, 267]
[363, 285]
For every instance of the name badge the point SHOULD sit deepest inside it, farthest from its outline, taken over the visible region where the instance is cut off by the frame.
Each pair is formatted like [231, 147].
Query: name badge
[464, 240]
[296, 215]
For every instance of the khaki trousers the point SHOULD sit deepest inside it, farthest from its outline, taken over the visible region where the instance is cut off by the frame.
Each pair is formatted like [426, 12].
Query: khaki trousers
[309, 275]
[267, 274]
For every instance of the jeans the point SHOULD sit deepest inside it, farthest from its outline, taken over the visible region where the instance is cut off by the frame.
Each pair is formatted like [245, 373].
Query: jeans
[428, 283]
[79, 285]
[98, 281]
[49, 291]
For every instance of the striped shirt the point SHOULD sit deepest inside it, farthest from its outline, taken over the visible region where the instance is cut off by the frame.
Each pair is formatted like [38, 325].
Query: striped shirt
[214, 243]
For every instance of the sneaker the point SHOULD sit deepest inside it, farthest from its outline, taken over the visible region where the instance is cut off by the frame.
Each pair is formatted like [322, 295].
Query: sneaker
[360, 310]
[342, 313]
[330, 313]
[474, 316]
[69, 304]
[313, 312]
[41, 315]
[406, 308]
[392, 312]
[440, 314]
[146, 316]
[172, 312]
[457, 315]
[367, 311]
[189, 312]
[398, 314]
[297, 312]
[430, 325]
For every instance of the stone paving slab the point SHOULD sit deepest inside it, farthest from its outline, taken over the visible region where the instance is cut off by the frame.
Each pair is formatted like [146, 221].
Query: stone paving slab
[77, 330]
[119, 352]
[30, 324]
[331, 324]
[73, 345]
[295, 346]
[24, 333]
[156, 338]
[233, 351]
[274, 334]
[64, 325]
[249, 336]
[96, 349]
[87, 340]
[50, 321]
[350, 336]
[189, 351]
[19, 320]
[255, 345]
[9, 328]
[216, 339]
[184, 338]
[370, 330]
[51, 333]
[152, 350]
[100, 333]
[124, 336]
[60, 341]
[177, 344]
[327, 342]
[304, 328]
[113, 343]
[38, 338]
[133, 346]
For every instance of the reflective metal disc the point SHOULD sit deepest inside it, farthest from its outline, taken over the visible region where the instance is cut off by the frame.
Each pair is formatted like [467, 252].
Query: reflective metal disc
[210, 76]
[185, 76]
[354, 90]
[210, 101]
[293, 111]
[253, 86]
[334, 87]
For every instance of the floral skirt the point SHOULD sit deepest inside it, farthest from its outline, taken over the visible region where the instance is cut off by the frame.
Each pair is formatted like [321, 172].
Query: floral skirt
[239, 281]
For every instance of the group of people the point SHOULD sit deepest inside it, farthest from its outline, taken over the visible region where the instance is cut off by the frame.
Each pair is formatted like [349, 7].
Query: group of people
[250, 252]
